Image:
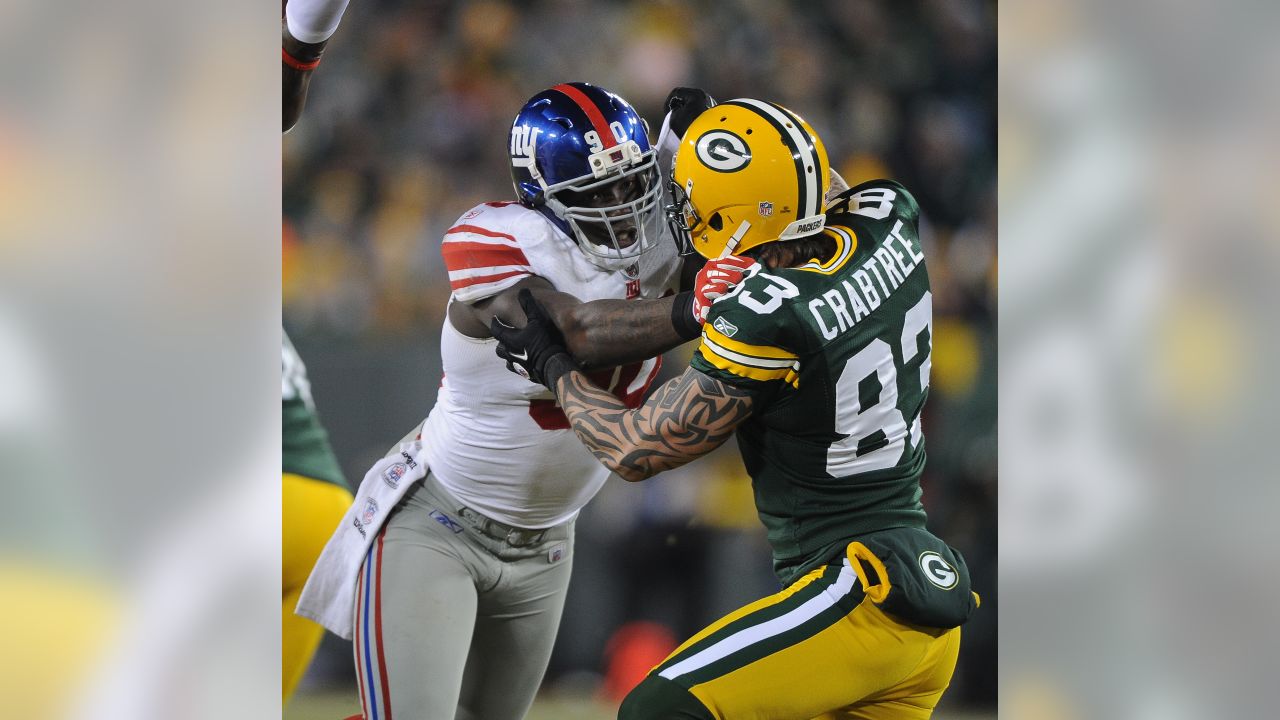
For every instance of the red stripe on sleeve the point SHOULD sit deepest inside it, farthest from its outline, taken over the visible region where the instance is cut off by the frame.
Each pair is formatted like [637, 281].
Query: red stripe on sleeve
[593, 113]
[469, 256]
[484, 279]
[477, 230]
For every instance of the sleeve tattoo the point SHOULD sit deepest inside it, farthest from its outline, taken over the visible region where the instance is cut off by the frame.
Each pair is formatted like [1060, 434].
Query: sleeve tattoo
[683, 420]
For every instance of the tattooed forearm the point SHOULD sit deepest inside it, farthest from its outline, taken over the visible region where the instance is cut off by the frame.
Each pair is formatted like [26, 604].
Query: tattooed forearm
[685, 419]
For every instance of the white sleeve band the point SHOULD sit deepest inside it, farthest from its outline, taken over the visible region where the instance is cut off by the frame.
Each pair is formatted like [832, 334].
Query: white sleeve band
[313, 21]
[838, 185]
[667, 144]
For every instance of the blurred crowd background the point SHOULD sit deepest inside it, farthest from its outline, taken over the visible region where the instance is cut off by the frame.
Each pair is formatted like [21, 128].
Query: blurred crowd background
[139, 205]
[406, 129]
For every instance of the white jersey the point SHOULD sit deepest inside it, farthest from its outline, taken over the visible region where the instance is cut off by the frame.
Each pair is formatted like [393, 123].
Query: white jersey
[495, 440]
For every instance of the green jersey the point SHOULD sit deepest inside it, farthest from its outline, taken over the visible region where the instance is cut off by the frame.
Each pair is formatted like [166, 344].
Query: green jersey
[836, 355]
[305, 445]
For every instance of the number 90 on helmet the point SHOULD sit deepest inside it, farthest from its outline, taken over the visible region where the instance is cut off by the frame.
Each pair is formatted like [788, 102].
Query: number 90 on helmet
[747, 173]
[581, 156]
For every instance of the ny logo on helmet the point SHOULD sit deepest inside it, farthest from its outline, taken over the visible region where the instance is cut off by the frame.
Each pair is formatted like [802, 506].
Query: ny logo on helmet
[722, 151]
[522, 141]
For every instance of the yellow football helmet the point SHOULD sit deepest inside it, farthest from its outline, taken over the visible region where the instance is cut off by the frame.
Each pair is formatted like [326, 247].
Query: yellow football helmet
[747, 172]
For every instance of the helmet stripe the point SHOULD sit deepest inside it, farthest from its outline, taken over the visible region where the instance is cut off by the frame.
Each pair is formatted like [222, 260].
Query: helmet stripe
[809, 202]
[593, 113]
[805, 142]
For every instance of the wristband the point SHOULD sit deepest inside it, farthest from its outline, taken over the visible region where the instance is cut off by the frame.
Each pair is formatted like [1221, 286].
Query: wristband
[297, 64]
[556, 367]
[682, 317]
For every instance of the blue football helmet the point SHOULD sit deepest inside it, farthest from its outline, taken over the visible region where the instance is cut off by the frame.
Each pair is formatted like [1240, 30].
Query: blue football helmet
[581, 156]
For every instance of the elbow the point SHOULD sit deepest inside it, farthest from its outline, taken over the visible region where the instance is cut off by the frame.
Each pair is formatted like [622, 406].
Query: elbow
[295, 96]
[574, 327]
[630, 473]
[291, 112]
[616, 463]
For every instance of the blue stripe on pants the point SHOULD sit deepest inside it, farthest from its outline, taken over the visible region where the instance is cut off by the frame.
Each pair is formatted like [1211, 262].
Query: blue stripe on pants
[368, 661]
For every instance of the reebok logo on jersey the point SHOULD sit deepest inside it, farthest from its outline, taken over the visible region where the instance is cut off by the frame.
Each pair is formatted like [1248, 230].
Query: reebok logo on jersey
[725, 327]
[446, 521]
[938, 571]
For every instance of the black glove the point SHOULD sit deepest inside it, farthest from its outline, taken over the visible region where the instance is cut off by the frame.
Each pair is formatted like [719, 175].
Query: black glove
[685, 105]
[537, 350]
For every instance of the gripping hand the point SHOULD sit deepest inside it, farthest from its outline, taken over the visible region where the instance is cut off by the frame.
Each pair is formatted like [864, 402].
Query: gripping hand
[537, 350]
[715, 279]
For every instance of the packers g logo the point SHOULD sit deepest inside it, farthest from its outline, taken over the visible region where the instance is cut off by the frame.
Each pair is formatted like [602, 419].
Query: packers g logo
[938, 571]
[722, 151]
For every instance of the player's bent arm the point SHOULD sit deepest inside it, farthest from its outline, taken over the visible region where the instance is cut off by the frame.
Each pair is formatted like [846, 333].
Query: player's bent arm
[683, 420]
[599, 333]
[305, 29]
[300, 59]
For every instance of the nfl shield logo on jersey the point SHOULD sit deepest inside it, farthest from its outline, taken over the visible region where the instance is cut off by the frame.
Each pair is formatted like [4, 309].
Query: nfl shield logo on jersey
[393, 474]
[766, 209]
[370, 510]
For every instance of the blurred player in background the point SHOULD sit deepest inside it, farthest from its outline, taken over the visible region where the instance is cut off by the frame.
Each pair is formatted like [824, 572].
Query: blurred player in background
[821, 365]
[450, 571]
[314, 494]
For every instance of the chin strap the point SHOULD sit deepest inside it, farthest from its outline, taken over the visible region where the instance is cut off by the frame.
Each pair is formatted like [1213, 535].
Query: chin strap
[734, 239]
